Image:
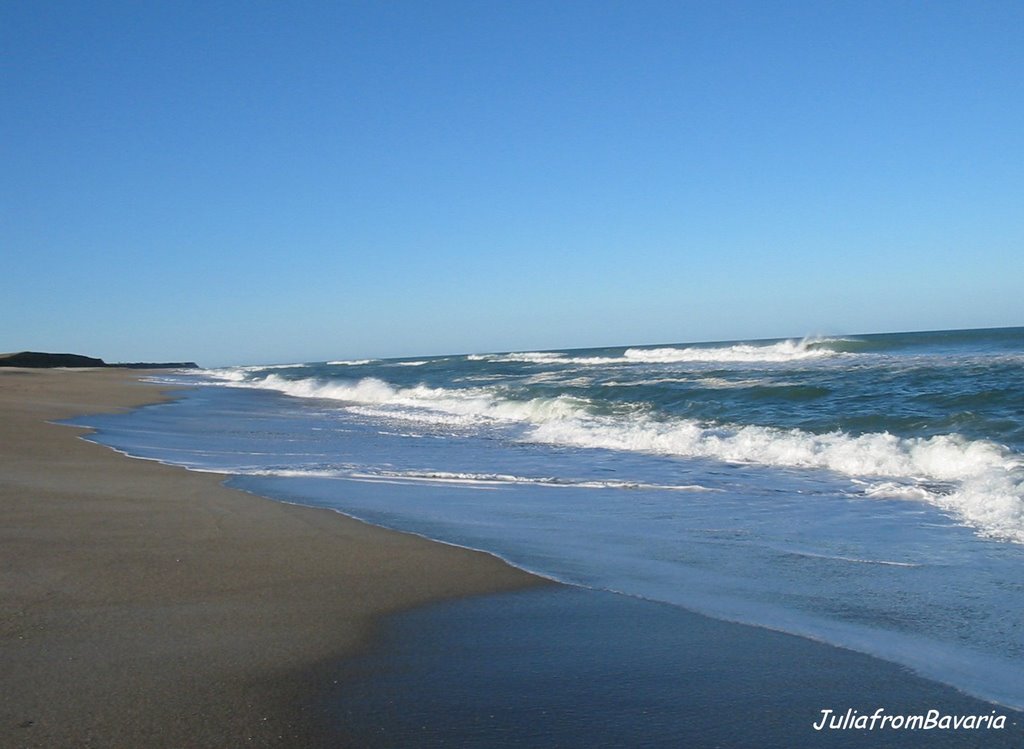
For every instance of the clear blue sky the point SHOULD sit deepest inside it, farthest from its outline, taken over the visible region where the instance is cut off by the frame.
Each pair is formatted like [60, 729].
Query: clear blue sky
[242, 182]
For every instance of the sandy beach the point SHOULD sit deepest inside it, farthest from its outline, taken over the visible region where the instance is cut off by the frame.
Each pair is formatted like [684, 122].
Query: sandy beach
[146, 605]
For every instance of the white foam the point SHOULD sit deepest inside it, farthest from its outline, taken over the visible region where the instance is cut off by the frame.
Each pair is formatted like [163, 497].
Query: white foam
[853, 560]
[351, 362]
[239, 374]
[783, 351]
[893, 489]
[229, 374]
[719, 383]
[500, 478]
[710, 383]
[527, 357]
[456, 477]
[981, 483]
[468, 404]
[261, 367]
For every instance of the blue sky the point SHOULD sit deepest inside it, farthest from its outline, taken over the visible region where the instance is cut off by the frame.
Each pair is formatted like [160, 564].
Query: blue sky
[256, 182]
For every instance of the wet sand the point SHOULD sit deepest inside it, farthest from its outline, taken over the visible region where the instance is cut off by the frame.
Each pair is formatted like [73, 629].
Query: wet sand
[146, 605]
[576, 669]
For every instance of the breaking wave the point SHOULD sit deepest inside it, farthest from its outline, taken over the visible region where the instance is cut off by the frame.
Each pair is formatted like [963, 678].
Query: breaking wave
[780, 352]
[783, 351]
[979, 482]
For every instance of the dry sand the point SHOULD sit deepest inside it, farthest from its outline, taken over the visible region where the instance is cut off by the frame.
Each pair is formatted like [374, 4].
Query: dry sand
[143, 605]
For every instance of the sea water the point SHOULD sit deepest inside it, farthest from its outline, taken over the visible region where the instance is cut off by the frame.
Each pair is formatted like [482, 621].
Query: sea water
[865, 491]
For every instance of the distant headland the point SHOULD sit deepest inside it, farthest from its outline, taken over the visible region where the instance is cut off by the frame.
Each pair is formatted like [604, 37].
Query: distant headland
[42, 359]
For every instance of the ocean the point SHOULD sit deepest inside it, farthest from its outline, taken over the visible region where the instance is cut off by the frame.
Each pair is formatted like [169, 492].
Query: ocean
[864, 491]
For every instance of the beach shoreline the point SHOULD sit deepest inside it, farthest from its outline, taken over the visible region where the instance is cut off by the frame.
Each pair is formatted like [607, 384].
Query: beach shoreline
[148, 605]
[144, 604]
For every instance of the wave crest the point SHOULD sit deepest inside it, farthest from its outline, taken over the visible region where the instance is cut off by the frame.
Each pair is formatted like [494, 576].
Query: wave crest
[980, 482]
[782, 351]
